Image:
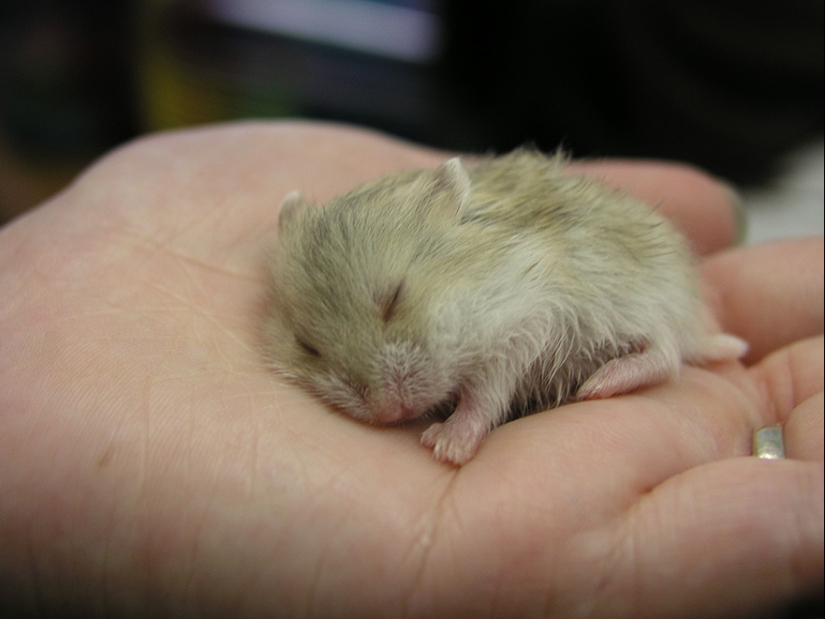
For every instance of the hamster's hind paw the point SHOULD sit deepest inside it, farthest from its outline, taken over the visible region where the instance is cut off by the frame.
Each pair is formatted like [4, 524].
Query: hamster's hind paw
[628, 373]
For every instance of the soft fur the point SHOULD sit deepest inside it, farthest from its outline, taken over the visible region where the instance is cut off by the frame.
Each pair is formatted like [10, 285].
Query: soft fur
[505, 288]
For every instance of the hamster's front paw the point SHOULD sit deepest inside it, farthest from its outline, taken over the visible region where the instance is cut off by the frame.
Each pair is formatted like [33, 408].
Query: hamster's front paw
[455, 442]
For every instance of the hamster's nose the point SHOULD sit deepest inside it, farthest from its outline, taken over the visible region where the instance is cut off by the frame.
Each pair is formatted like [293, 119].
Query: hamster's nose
[393, 411]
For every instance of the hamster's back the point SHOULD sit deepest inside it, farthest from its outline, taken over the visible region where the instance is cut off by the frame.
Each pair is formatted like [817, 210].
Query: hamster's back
[614, 266]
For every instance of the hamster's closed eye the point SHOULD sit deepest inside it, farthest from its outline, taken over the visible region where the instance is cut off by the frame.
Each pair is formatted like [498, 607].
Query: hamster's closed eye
[309, 350]
[392, 303]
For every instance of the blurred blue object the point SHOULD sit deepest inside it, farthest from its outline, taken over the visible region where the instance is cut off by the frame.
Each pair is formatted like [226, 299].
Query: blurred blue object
[395, 29]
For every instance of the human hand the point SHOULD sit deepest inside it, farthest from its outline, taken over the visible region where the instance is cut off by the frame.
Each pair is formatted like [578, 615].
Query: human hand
[151, 464]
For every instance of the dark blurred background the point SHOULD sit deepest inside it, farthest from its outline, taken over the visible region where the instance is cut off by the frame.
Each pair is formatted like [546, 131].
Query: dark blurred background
[731, 86]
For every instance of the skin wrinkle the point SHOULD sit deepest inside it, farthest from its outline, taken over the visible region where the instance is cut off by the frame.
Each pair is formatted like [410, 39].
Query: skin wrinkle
[144, 475]
[730, 448]
[800, 369]
[167, 250]
[787, 400]
[254, 461]
[436, 532]
[196, 310]
[788, 538]
[610, 555]
[112, 545]
[634, 595]
[159, 541]
[183, 300]
[327, 568]
[795, 531]
[198, 523]
[186, 308]
[495, 582]
[306, 481]
[627, 528]
[637, 528]
[814, 481]
[772, 538]
[106, 561]
[796, 567]
[751, 395]
[143, 497]
[243, 596]
[790, 375]
[686, 513]
[803, 426]
[246, 593]
[427, 539]
[774, 390]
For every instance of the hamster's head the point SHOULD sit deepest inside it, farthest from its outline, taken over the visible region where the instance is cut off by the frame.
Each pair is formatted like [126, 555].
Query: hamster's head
[357, 312]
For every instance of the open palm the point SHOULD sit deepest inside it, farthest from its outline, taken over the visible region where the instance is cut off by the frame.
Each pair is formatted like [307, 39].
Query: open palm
[151, 464]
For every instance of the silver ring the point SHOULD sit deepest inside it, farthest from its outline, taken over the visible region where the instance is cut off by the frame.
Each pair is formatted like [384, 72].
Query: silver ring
[768, 442]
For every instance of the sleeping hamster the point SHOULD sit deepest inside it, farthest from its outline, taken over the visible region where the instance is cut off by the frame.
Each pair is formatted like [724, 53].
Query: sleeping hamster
[495, 290]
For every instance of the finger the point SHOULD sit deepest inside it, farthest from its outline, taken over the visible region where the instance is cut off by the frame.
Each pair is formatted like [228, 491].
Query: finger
[771, 295]
[804, 431]
[701, 207]
[766, 515]
[789, 379]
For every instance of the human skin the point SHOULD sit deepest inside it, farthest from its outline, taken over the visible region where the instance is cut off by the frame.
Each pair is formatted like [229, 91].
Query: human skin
[151, 464]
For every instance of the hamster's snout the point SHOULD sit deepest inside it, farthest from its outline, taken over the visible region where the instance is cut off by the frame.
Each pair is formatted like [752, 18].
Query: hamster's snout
[406, 385]
[392, 412]
[399, 398]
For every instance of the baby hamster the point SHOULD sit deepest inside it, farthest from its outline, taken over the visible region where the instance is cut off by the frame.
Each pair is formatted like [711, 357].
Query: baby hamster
[499, 289]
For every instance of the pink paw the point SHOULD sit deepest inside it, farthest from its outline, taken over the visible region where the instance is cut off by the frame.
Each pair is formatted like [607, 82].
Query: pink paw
[628, 373]
[456, 443]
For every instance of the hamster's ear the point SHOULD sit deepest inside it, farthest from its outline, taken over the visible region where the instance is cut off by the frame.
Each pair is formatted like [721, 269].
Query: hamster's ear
[293, 203]
[451, 180]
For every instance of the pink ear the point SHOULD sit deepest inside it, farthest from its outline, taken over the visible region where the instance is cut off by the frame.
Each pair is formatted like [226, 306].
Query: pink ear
[452, 179]
[292, 204]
